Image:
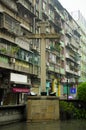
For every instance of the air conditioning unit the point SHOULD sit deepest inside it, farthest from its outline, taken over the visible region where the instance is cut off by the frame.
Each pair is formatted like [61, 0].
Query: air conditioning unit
[12, 60]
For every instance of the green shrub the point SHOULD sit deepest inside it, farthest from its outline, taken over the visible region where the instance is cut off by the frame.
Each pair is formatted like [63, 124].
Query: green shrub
[70, 109]
[81, 91]
[67, 107]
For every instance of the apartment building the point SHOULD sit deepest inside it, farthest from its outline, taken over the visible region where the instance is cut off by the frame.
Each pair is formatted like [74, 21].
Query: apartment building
[72, 45]
[83, 57]
[64, 67]
[54, 47]
[82, 23]
[20, 55]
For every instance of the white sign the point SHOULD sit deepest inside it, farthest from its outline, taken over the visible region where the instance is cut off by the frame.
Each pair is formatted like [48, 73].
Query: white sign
[18, 78]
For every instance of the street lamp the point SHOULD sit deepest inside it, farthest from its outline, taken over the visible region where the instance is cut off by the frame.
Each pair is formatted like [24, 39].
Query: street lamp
[67, 88]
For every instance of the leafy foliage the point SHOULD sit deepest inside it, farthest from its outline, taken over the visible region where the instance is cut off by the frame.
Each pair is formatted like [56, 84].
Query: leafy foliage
[68, 109]
[81, 91]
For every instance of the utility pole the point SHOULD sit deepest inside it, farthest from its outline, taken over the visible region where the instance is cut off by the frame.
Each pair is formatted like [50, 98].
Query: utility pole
[43, 36]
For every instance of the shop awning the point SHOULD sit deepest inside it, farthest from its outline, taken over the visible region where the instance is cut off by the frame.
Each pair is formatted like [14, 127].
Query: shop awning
[20, 90]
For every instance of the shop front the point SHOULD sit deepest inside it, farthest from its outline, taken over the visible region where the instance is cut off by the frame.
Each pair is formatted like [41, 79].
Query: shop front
[20, 91]
[19, 87]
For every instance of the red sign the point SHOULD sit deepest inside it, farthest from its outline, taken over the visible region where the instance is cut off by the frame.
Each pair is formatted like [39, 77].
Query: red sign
[20, 90]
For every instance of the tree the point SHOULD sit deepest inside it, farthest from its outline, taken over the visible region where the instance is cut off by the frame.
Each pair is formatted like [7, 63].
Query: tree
[81, 91]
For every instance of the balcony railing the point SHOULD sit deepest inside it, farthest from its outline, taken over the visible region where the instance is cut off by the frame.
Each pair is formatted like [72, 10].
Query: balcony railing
[24, 67]
[9, 24]
[11, 52]
[11, 63]
[4, 62]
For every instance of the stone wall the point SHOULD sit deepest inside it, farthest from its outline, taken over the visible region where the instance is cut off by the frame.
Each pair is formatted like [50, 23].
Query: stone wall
[41, 108]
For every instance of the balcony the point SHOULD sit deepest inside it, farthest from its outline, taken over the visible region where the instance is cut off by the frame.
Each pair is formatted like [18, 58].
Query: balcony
[36, 60]
[12, 4]
[75, 44]
[3, 59]
[76, 68]
[7, 37]
[11, 52]
[77, 40]
[51, 67]
[77, 57]
[68, 69]
[51, 3]
[9, 24]
[23, 67]
[72, 67]
[68, 33]
[34, 48]
[58, 24]
[59, 13]
[67, 55]
[57, 68]
[22, 43]
[45, 13]
[35, 72]
[26, 25]
[27, 6]
[4, 62]
[62, 32]
[62, 71]
[51, 18]
[77, 33]
[38, 17]
[77, 73]
[62, 16]
[31, 1]
[53, 50]
[62, 44]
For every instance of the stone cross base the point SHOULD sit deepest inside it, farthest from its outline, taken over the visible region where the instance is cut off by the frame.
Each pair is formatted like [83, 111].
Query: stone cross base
[42, 108]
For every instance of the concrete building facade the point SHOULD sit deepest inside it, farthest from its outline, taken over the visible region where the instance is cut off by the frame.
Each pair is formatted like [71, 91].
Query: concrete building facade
[82, 23]
[18, 55]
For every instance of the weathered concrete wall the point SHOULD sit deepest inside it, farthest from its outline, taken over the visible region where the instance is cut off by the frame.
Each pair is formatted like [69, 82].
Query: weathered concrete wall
[9, 114]
[41, 108]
